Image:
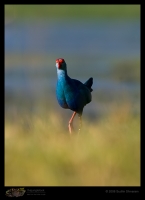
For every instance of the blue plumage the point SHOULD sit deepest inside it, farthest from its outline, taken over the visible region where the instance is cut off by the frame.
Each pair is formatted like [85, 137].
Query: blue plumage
[71, 93]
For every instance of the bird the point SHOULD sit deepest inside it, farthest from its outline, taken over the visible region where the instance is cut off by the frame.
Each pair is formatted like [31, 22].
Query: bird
[71, 93]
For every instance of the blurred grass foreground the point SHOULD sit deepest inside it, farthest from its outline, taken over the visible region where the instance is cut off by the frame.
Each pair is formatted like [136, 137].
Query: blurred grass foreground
[106, 153]
[38, 148]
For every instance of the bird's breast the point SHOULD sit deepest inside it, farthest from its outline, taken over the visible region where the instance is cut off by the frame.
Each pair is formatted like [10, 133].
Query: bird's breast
[60, 95]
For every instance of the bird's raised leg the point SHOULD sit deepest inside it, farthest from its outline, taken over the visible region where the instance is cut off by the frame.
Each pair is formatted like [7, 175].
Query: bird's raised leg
[80, 123]
[70, 122]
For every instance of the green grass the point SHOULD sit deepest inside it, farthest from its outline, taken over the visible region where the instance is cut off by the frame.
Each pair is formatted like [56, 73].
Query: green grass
[72, 11]
[42, 153]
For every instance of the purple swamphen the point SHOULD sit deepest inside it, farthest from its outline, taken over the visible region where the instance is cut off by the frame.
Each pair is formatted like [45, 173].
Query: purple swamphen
[71, 93]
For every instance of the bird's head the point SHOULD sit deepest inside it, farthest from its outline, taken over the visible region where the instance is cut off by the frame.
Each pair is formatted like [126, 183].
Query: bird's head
[60, 64]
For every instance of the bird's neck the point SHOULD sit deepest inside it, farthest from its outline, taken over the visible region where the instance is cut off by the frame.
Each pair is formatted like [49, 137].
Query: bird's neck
[61, 74]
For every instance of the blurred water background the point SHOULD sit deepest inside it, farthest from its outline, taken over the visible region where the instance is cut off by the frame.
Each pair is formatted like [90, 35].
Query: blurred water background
[106, 49]
[99, 41]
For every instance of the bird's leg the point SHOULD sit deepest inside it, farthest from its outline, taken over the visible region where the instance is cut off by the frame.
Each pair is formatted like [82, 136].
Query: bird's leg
[70, 122]
[80, 125]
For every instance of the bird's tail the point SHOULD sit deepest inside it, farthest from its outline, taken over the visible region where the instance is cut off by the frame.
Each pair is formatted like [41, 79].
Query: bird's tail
[89, 84]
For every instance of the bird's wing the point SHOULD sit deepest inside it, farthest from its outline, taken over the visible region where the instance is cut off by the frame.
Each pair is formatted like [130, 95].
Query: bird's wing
[77, 83]
[87, 84]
